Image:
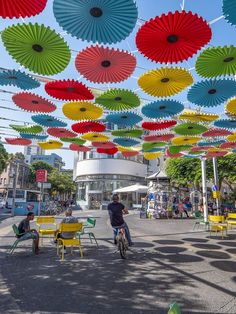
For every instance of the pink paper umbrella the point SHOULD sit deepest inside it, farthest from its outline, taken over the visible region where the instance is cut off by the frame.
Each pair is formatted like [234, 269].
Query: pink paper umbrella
[129, 154]
[216, 154]
[100, 64]
[61, 132]
[106, 145]
[33, 103]
[18, 141]
[109, 151]
[88, 126]
[79, 148]
[216, 132]
[159, 137]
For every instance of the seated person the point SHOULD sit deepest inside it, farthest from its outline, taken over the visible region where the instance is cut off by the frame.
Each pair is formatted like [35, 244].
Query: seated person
[27, 233]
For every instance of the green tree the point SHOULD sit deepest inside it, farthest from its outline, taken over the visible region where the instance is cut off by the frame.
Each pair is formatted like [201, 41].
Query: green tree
[3, 158]
[36, 166]
[62, 183]
[19, 156]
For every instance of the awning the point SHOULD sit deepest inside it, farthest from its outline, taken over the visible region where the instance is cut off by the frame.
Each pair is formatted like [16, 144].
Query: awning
[132, 188]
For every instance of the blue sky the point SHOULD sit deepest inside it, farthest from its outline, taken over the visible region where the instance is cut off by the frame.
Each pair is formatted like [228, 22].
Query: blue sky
[223, 34]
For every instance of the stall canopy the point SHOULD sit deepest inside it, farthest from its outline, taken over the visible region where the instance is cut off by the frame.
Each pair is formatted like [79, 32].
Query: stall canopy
[132, 188]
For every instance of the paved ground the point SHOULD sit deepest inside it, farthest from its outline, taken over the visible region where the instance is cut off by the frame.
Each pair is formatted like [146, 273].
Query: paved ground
[169, 263]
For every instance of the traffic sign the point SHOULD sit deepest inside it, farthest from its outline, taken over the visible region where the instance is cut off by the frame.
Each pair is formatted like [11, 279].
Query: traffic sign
[216, 194]
[41, 175]
[46, 185]
[215, 188]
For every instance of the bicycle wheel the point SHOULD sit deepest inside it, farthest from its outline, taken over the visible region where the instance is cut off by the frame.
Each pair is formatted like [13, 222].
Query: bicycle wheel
[122, 248]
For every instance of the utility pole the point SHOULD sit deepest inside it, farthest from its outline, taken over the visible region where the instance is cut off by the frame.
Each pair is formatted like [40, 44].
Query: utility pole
[15, 179]
[204, 189]
[216, 183]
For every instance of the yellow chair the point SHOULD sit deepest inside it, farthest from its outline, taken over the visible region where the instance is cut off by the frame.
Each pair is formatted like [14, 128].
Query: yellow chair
[69, 227]
[217, 223]
[47, 226]
[231, 219]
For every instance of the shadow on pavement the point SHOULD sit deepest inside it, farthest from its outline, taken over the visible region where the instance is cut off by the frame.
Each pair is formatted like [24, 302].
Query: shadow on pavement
[206, 246]
[168, 242]
[195, 240]
[170, 249]
[228, 266]
[213, 254]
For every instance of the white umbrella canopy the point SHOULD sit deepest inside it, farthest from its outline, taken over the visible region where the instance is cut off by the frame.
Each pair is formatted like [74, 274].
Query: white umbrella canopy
[132, 188]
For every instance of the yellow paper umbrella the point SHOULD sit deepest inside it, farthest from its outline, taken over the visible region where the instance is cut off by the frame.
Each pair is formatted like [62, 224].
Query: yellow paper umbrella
[50, 144]
[151, 156]
[183, 140]
[230, 107]
[232, 137]
[165, 81]
[195, 116]
[95, 137]
[82, 110]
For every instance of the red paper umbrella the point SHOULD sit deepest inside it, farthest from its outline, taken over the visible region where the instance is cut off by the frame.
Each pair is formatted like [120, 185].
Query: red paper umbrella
[200, 148]
[216, 154]
[216, 132]
[159, 137]
[21, 8]
[18, 141]
[104, 64]
[228, 145]
[33, 103]
[129, 154]
[79, 148]
[68, 90]
[88, 126]
[168, 154]
[173, 37]
[61, 132]
[153, 126]
[109, 151]
[106, 145]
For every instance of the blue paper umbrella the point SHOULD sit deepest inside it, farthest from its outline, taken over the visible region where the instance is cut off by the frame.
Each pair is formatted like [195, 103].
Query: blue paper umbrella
[210, 93]
[229, 11]
[212, 143]
[48, 121]
[154, 150]
[18, 79]
[124, 118]
[34, 136]
[102, 21]
[162, 109]
[125, 141]
[226, 123]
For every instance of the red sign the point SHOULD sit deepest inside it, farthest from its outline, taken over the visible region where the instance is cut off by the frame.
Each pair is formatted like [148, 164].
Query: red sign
[41, 175]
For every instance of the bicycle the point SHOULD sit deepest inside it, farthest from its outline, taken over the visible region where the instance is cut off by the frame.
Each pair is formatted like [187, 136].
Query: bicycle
[122, 242]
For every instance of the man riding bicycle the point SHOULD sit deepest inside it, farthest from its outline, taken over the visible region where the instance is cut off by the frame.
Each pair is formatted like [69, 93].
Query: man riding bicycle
[116, 211]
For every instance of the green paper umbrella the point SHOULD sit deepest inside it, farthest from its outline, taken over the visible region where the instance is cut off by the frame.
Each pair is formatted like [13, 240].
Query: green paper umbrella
[217, 61]
[189, 129]
[37, 47]
[150, 145]
[177, 149]
[74, 140]
[31, 129]
[128, 133]
[118, 99]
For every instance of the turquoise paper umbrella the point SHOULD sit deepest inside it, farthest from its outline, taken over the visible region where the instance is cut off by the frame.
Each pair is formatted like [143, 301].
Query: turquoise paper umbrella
[124, 118]
[102, 21]
[18, 79]
[229, 11]
[48, 121]
[162, 109]
[126, 142]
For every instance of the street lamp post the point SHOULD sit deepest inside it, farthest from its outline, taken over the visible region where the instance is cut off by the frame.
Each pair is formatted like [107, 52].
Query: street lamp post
[216, 182]
[204, 189]
[15, 178]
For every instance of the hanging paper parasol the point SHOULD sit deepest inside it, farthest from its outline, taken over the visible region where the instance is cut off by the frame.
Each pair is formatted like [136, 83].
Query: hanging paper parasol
[68, 90]
[210, 143]
[118, 99]
[216, 132]
[195, 116]
[104, 64]
[74, 140]
[128, 133]
[179, 148]
[210, 93]
[33, 103]
[232, 137]
[168, 154]
[34, 136]
[50, 145]
[230, 107]
[173, 37]
[228, 145]
[128, 149]
[125, 119]
[226, 123]
[216, 154]
[150, 145]
[31, 129]
[129, 154]
[217, 61]
[21, 8]
[158, 137]
[82, 110]
[165, 82]
[99, 21]
[95, 137]
[162, 109]
[185, 140]
[37, 48]
[88, 126]
[229, 9]
[189, 129]
[60, 132]
[18, 79]
[48, 121]
[153, 126]
[79, 148]
[105, 145]
[151, 156]
[126, 142]
[109, 151]
[18, 141]
[200, 148]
